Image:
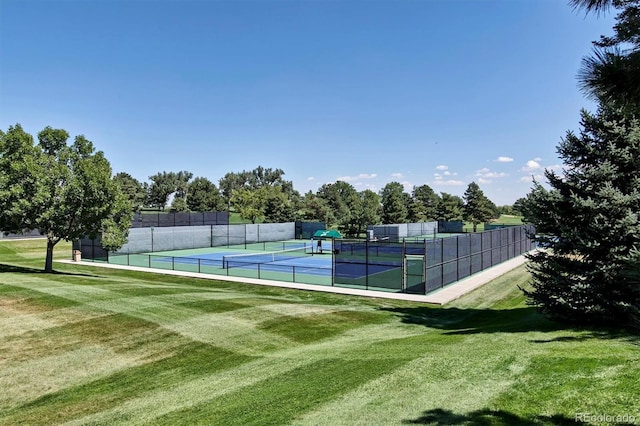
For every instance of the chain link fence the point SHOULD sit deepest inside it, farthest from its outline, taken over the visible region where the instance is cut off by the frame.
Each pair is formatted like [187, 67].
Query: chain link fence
[155, 239]
[423, 267]
[165, 219]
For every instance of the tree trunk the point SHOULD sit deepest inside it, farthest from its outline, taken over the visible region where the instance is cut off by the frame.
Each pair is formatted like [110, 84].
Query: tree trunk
[475, 226]
[48, 265]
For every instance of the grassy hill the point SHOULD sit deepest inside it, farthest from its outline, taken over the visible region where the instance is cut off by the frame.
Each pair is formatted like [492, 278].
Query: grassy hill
[90, 345]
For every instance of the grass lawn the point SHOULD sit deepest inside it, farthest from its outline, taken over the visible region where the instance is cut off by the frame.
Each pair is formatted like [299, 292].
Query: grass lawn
[505, 219]
[508, 219]
[98, 346]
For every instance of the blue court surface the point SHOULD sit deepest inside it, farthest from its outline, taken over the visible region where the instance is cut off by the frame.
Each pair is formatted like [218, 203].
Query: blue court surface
[316, 264]
[290, 261]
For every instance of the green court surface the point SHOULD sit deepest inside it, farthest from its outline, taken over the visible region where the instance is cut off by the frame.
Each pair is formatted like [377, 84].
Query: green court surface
[309, 269]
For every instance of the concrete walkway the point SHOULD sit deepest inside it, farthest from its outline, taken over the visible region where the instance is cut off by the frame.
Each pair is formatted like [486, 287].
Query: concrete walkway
[438, 297]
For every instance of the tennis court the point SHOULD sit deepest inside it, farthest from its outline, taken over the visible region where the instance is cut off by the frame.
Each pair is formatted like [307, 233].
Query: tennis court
[411, 264]
[291, 260]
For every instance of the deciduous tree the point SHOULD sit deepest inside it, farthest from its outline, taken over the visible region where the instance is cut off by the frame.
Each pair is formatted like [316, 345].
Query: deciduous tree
[163, 184]
[204, 196]
[66, 192]
[250, 203]
[314, 208]
[342, 198]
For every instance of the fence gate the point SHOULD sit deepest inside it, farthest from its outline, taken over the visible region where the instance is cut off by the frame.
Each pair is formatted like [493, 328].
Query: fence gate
[414, 274]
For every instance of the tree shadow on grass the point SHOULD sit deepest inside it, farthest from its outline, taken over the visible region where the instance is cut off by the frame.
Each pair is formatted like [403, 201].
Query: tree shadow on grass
[486, 417]
[472, 321]
[456, 321]
[25, 270]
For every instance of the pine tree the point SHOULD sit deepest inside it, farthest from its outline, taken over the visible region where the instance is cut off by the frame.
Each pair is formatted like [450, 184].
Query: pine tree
[449, 208]
[589, 222]
[477, 207]
[394, 203]
[611, 75]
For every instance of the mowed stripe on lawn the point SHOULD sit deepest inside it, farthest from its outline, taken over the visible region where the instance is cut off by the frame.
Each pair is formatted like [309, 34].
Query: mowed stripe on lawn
[240, 330]
[125, 347]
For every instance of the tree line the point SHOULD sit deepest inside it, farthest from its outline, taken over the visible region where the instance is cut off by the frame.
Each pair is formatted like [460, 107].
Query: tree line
[67, 191]
[264, 195]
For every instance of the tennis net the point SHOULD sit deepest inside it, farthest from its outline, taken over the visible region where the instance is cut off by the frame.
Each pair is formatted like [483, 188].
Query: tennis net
[240, 260]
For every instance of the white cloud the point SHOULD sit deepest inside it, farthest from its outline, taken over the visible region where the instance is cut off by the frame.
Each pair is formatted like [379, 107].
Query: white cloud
[487, 174]
[440, 176]
[442, 167]
[504, 160]
[495, 175]
[529, 178]
[397, 175]
[481, 180]
[450, 182]
[531, 166]
[360, 176]
[310, 178]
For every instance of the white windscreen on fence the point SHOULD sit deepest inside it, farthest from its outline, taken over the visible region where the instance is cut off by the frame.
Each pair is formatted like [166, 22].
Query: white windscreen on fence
[398, 231]
[143, 240]
[146, 240]
[276, 231]
[422, 229]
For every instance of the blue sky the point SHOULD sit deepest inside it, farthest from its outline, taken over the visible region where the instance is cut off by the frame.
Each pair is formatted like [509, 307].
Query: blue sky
[419, 92]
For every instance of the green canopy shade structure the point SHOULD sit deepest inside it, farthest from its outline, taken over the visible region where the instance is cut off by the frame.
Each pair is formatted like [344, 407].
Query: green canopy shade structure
[329, 233]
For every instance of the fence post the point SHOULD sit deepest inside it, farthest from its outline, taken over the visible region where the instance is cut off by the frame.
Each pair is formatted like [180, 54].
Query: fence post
[441, 263]
[333, 264]
[491, 251]
[470, 257]
[458, 258]
[366, 268]
[404, 266]
[482, 251]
